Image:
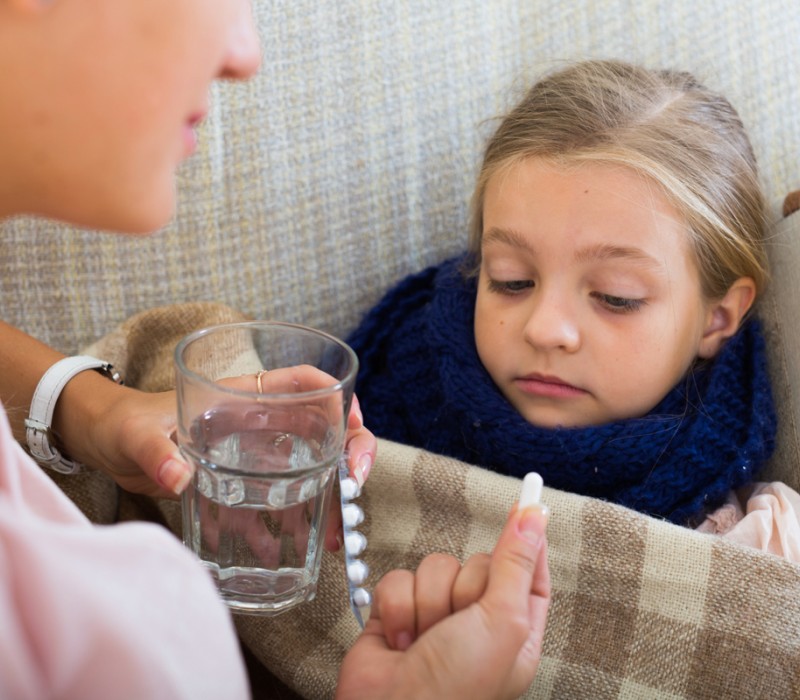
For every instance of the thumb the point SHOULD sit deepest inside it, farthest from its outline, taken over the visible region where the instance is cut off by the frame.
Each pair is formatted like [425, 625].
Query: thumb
[515, 561]
[172, 472]
[157, 458]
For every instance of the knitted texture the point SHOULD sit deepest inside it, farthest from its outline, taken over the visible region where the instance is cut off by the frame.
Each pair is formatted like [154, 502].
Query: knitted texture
[421, 383]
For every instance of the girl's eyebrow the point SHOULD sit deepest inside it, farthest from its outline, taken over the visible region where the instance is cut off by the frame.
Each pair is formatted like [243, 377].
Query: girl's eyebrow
[505, 236]
[593, 253]
[605, 251]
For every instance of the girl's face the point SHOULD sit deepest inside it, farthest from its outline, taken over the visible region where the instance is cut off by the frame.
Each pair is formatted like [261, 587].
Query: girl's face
[102, 98]
[589, 303]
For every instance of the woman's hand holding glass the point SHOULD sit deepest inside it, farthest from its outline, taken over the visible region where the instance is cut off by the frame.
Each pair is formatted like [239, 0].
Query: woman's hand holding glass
[132, 441]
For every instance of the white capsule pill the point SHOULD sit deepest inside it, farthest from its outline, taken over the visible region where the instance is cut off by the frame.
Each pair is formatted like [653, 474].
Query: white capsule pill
[361, 597]
[352, 515]
[531, 491]
[349, 488]
[354, 543]
[357, 572]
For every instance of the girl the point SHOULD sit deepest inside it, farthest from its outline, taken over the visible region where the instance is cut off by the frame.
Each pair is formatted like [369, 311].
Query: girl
[597, 329]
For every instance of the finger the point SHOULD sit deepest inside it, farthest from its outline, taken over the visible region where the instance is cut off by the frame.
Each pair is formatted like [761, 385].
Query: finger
[334, 533]
[355, 420]
[173, 472]
[435, 577]
[264, 546]
[297, 379]
[282, 380]
[210, 525]
[154, 467]
[368, 669]
[393, 607]
[303, 379]
[540, 599]
[274, 408]
[301, 531]
[361, 449]
[146, 441]
[515, 556]
[507, 601]
[512, 611]
[531, 651]
[471, 581]
[541, 577]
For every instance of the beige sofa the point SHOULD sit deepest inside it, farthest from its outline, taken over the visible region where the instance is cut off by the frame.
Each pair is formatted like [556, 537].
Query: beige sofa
[347, 163]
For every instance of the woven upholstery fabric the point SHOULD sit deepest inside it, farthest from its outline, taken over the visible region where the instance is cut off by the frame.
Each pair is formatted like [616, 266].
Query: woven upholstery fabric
[641, 608]
[349, 160]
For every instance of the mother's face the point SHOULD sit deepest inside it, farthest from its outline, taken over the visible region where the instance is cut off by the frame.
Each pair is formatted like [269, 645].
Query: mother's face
[107, 95]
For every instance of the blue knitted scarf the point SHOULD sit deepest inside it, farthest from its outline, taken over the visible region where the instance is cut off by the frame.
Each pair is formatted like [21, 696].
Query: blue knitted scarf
[421, 383]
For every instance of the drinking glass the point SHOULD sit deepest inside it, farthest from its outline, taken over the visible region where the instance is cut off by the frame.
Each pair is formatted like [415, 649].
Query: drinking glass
[262, 417]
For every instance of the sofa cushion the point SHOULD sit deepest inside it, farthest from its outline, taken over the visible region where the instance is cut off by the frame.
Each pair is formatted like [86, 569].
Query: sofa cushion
[779, 309]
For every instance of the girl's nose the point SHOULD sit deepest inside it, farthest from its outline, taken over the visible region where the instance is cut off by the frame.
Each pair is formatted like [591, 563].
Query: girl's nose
[551, 325]
[244, 49]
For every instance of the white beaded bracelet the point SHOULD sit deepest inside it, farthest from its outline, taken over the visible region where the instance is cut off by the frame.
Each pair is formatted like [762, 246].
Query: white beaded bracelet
[43, 405]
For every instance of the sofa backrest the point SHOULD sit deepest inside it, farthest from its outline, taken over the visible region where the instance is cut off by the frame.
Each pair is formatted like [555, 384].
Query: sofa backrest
[349, 161]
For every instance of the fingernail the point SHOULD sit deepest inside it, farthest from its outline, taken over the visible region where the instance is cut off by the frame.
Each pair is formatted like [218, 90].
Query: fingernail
[362, 469]
[403, 641]
[532, 523]
[174, 476]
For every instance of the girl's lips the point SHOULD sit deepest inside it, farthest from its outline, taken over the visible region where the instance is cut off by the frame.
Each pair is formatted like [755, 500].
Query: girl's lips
[549, 387]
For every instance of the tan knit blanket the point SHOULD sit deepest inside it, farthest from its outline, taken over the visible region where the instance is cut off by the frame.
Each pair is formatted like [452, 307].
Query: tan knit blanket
[641, 608]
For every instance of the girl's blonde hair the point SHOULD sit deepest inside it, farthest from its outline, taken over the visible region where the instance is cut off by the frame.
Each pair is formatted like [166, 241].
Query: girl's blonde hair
[663, 124]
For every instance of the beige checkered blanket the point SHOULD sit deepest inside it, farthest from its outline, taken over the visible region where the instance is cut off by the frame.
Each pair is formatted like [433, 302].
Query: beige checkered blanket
[641, 608]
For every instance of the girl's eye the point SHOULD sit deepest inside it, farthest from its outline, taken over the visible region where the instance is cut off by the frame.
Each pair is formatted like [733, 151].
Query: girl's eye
[619, 305]
[510, 286]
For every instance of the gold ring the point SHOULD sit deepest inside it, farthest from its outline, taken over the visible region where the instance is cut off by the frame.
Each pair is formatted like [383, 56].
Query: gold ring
[259, 388]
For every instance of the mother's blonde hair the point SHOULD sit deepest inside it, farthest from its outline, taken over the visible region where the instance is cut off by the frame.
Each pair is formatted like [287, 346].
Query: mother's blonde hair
[662, 124]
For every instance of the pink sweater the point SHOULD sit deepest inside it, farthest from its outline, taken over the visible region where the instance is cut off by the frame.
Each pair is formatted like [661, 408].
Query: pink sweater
[88, 611]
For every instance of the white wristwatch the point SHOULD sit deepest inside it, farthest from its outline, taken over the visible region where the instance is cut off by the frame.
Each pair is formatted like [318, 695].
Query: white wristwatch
[43, 405]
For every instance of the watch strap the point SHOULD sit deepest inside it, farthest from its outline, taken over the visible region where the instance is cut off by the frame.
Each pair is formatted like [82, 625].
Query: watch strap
[37, 425]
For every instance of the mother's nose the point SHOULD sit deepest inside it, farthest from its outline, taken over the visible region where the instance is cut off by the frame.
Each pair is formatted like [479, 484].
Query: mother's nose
[243, 56]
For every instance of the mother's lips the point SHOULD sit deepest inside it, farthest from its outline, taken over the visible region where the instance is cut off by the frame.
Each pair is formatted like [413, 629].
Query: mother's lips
[190, 134]
[195, 119]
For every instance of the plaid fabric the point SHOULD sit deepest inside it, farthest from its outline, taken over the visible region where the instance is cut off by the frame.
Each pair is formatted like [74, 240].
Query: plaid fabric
[641, 608]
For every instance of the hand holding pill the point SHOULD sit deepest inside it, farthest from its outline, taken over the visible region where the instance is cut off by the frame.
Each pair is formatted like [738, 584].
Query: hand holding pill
[492, 637]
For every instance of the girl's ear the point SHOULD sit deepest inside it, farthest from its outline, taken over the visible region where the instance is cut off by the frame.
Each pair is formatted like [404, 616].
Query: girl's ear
[725, 316]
